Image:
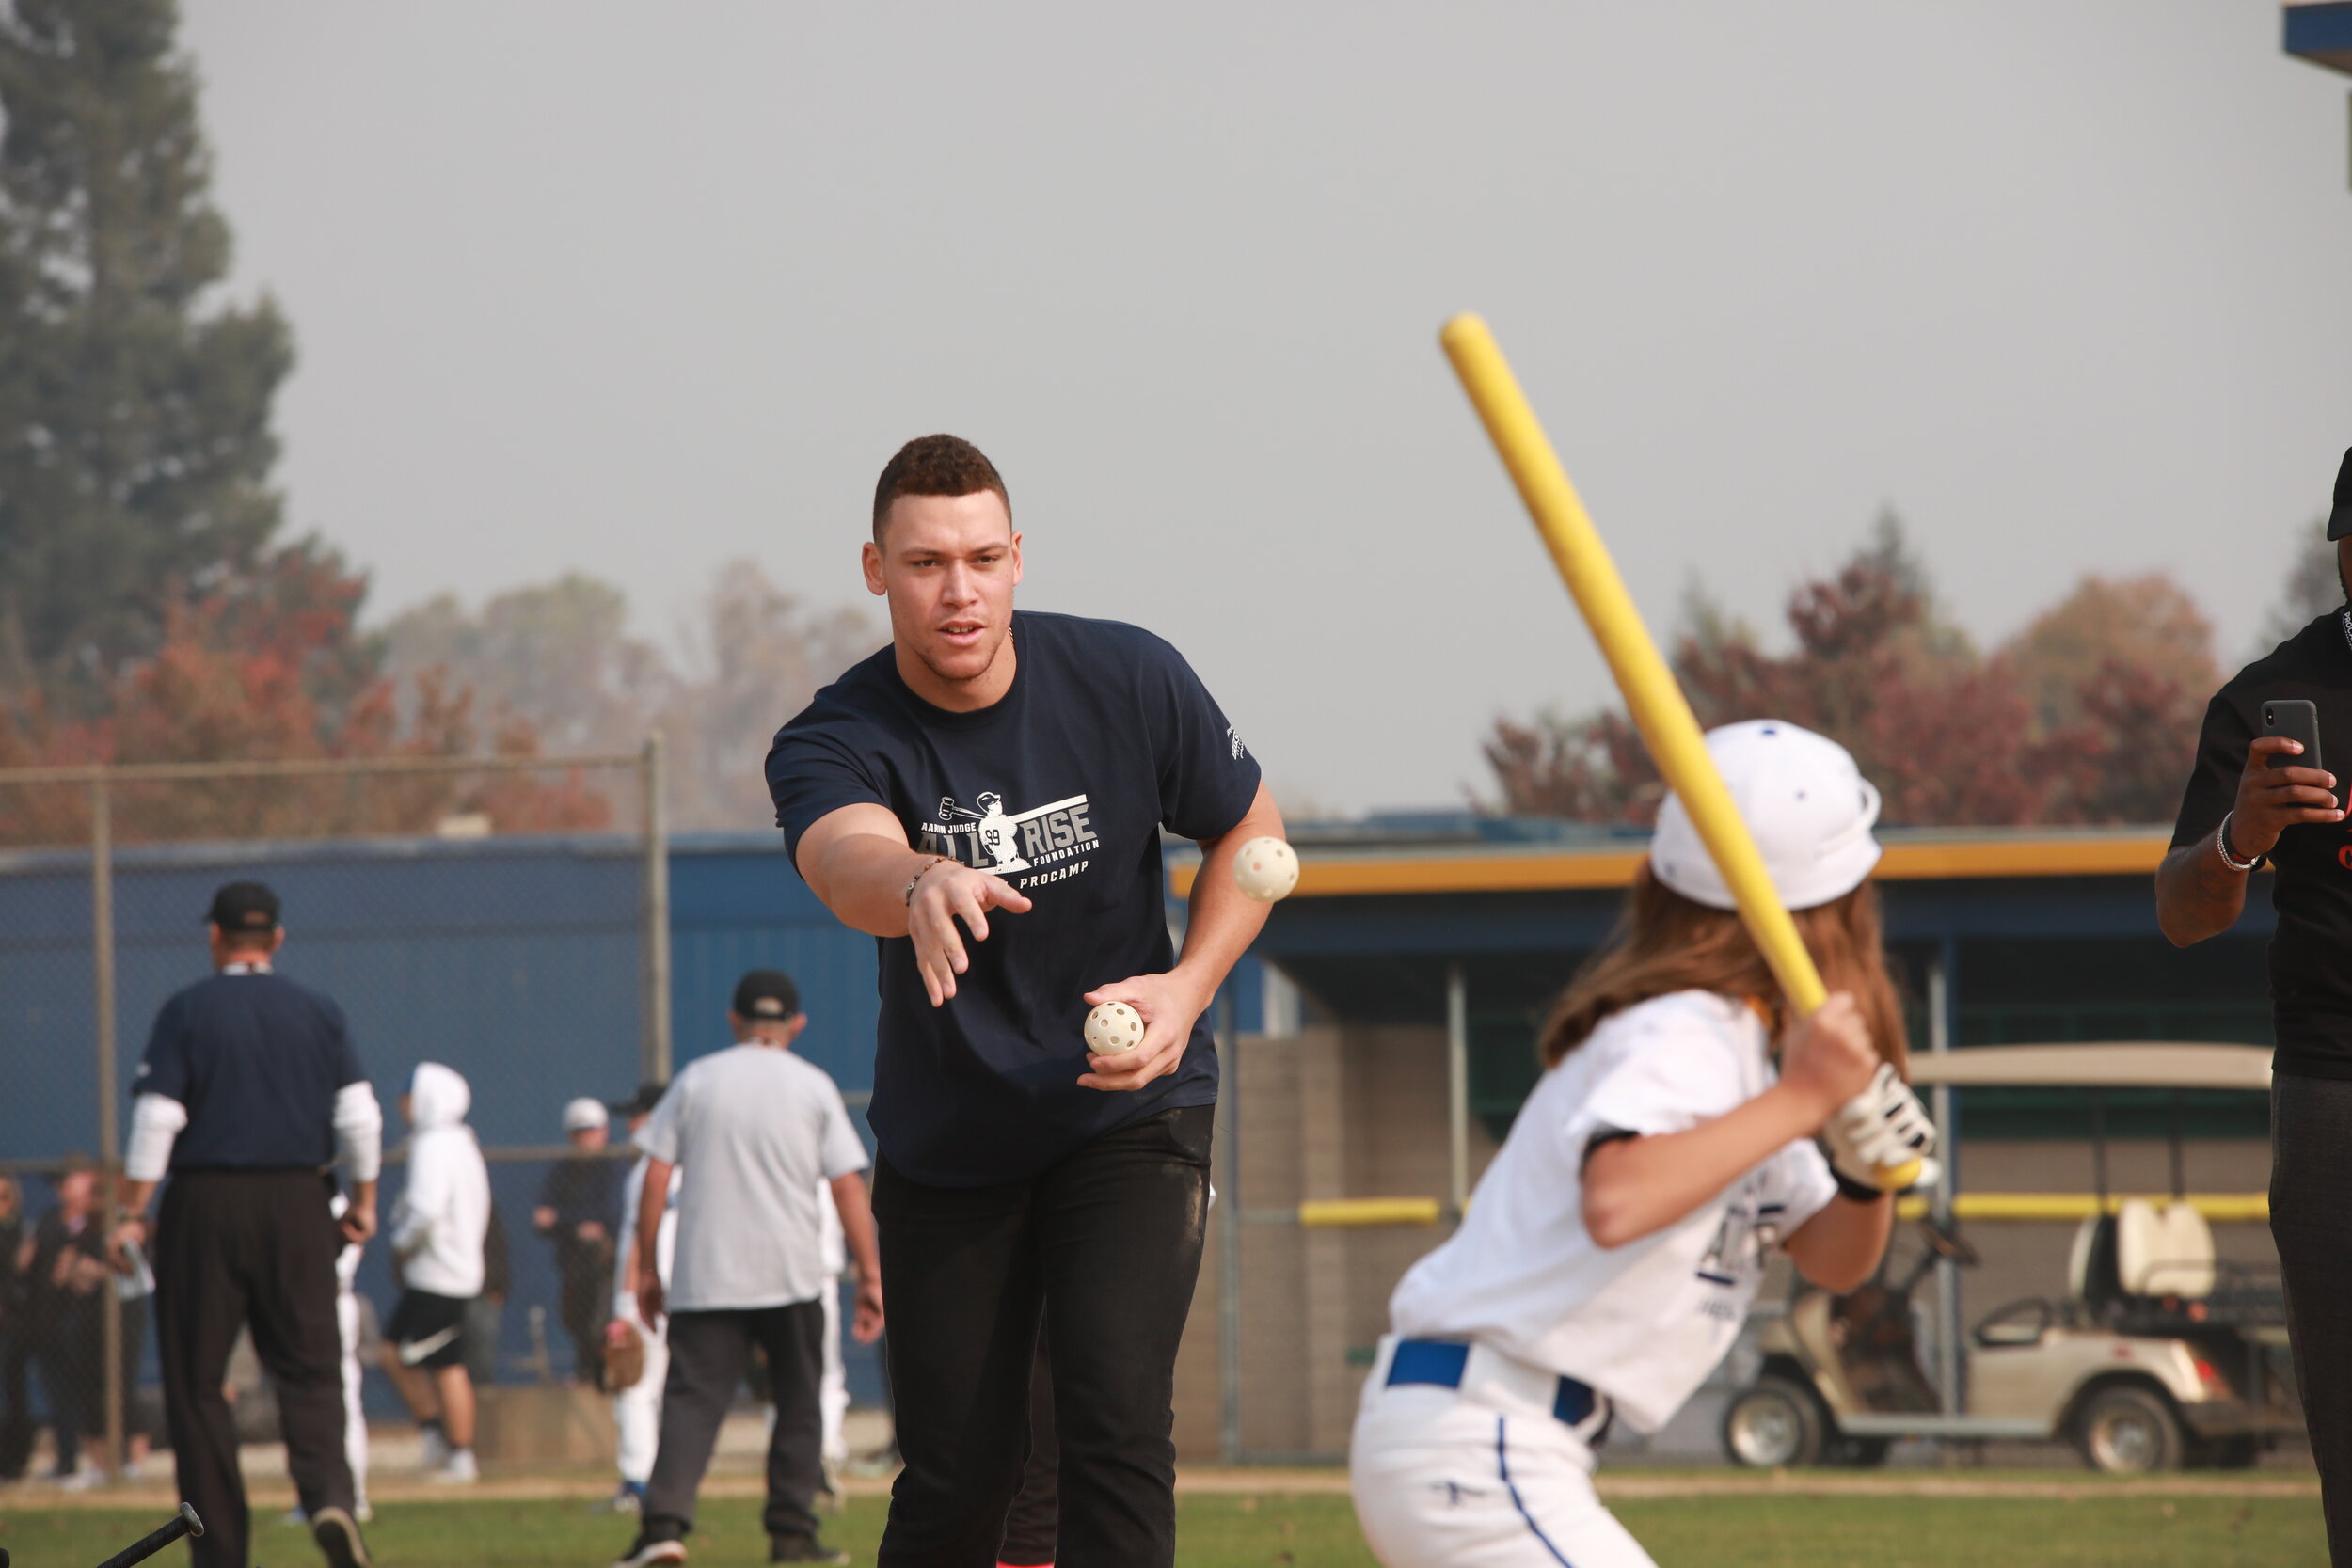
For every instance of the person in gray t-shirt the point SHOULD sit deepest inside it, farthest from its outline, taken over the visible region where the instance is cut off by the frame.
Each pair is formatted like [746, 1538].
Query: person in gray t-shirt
[759, 1131]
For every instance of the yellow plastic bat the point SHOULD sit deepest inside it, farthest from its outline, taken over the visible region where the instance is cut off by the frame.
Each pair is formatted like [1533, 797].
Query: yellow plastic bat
[1652, 695]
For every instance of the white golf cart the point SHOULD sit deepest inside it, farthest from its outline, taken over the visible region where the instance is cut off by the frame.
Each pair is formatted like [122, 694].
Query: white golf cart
[2157, 1356]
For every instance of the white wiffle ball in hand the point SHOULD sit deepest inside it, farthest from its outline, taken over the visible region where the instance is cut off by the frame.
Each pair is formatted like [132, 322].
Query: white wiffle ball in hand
[1266, 868]
[1114, 1029]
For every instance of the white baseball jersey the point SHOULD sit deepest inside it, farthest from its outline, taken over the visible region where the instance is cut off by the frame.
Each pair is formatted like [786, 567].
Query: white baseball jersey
[1644, 1323]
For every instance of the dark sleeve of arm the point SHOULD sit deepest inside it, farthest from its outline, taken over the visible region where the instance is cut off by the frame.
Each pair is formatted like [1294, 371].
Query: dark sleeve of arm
[2220, 759]
[347, 1060]
[812, 773]
[1207, 776]
[164, 1070]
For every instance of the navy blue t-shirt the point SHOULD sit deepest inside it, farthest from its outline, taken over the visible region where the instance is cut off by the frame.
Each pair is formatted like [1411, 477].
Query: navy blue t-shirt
[257, 1060]
[1061, 789]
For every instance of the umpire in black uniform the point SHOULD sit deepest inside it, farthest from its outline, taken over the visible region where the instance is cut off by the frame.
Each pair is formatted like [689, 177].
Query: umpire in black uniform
[249, 1094]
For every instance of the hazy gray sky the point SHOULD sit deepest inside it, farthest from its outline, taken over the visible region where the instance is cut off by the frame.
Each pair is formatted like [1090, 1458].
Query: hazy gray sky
[636, 290]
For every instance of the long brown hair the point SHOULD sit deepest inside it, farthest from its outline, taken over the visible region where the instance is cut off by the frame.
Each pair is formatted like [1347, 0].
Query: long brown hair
[1665, 943]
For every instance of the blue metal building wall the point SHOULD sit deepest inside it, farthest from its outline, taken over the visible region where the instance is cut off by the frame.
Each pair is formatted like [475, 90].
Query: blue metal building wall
[514, 961]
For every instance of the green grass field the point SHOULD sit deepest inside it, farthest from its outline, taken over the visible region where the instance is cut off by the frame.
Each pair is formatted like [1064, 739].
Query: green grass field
[1273, 1528]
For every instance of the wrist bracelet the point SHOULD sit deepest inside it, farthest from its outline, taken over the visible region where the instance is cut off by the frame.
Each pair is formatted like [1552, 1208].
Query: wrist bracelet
[914, 881]
[2221, 843]
[1859, 1192]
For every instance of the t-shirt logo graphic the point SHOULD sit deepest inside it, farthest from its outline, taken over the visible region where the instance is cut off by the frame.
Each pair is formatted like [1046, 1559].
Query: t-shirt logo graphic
[1233, 737]
[984, 834]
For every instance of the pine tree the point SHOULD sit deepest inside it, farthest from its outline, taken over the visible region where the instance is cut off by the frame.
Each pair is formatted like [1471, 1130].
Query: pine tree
[136, 447]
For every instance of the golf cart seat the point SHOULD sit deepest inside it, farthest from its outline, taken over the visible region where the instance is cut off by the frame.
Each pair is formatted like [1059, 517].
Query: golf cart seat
[2165, 1252]
[2142, 1270]
[2092, 1278]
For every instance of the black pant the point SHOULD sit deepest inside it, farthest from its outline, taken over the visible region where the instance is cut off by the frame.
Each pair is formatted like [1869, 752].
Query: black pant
[709, 1352]
[16, 1410]
[71, 1348]
[2311, 1219]
[1109, 1244]
[234, 1249]
[1032, 1524]
[585, 1272]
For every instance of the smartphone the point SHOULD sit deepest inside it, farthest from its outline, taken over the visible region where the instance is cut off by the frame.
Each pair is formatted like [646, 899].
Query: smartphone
[2297, 719]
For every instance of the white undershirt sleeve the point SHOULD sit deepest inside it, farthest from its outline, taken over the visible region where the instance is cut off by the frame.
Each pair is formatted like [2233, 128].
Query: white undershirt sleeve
[359, 1130]
[155, 1123]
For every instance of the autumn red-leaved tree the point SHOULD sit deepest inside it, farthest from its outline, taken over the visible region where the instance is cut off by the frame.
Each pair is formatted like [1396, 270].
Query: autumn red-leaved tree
[2090, 716]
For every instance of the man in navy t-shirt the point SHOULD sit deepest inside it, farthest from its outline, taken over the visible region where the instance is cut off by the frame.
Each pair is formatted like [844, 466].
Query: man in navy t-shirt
[249, 1092]
[986, 796]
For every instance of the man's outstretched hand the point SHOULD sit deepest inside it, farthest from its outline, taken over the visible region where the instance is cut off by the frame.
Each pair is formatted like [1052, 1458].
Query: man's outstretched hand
[945, 894]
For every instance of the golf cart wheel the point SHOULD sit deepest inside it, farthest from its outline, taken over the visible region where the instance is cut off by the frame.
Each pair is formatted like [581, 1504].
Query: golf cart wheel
[2128, 1432]
[1772, 1423]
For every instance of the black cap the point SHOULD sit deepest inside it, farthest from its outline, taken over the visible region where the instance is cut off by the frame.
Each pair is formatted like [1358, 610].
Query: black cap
[641, 1104]
[766, 993]
[244, 906]
[2340, 520]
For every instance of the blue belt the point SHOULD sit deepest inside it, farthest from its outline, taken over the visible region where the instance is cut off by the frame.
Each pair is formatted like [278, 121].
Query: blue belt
[1440, 1362]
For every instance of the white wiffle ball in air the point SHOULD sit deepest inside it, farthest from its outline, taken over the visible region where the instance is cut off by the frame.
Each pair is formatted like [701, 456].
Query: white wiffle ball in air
[1114, 1029]
[1266, 868]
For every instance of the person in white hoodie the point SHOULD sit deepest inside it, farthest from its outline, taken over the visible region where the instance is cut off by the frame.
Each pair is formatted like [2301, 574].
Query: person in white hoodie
[437, 1228]
[637, 1408]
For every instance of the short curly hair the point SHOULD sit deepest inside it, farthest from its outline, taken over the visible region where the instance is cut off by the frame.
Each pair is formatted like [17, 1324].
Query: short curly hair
[936, 465]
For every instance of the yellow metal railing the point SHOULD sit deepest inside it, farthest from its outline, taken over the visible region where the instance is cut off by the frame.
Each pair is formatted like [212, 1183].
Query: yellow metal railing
[1371, 1211]
[2224, 1208]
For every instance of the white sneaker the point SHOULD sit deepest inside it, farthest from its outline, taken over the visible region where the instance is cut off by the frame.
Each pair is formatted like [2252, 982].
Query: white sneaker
[436, 1452]
[82, 1479]
[649, 1554]
[459, 1469]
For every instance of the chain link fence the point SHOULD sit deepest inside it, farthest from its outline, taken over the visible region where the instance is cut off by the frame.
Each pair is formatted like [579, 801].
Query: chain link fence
[507, 917]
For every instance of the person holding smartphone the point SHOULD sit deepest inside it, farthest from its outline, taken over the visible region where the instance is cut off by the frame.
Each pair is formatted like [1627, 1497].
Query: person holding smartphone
[2262, 791]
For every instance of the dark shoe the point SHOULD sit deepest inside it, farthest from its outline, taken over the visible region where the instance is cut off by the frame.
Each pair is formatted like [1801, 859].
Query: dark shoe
[801, 1548]
[647, 1550]
[338, 1535]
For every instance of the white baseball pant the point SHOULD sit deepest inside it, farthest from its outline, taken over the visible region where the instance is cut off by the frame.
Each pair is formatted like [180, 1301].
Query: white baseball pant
[1443, 1481]
[832, 1389]
[637, 1409]
[355, 1412]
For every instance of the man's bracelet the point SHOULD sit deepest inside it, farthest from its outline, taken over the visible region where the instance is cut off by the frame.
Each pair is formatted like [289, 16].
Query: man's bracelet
[917, 880]
[2221, 843]
[1857, 1191]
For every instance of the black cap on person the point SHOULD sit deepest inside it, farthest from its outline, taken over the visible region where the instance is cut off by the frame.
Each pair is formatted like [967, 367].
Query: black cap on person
[766, 993]
[244, 906]
[2340, 520]
[641, 1103]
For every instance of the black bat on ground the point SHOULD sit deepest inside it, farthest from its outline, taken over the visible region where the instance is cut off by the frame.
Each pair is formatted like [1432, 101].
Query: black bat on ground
[184, 1523]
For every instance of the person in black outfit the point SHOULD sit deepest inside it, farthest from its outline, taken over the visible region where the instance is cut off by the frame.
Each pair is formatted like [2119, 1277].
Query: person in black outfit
[2239, 811]
[16, 1347]
[986, 796]
[580, 1211]
[63, 1263]
[249, 1094]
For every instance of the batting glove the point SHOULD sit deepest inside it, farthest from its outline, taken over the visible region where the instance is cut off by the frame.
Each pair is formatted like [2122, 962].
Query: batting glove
[1878, 1132]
